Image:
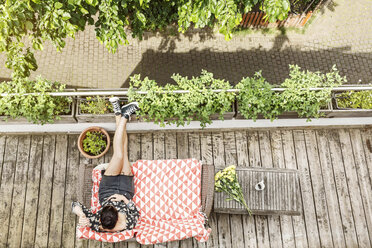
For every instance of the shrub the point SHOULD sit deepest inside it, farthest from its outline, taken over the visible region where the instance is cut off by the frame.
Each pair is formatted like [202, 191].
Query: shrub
[358, 99]
[297, 95]
[163, 106]
[94, 143]
[256, 98]
[95, 105]
[37, 108]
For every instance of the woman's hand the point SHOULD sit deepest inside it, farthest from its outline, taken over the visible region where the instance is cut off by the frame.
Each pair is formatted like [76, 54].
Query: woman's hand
[118, 197]
[83, 221]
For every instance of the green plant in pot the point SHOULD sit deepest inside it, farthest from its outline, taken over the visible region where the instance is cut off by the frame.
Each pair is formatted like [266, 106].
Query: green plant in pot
[298, 95]
[355, 100]
[94, 142]
[163, 106]
[256, 98]
[39, 107]
[95, 105]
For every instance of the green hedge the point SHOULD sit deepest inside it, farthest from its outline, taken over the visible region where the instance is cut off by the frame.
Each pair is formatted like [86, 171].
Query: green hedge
[162, 106]
[40, 108]
[255, 96]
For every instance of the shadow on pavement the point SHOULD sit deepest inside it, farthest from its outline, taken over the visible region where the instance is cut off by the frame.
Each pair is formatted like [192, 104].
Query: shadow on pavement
[233, 66]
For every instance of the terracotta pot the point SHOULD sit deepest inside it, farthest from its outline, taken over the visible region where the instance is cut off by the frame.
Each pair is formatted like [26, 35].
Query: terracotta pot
[83, 135]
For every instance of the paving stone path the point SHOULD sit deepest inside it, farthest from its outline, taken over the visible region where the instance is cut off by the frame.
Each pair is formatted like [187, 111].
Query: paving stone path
[341, 34]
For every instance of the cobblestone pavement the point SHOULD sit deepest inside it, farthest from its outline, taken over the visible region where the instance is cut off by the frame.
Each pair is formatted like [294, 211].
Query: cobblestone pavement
[341, 34]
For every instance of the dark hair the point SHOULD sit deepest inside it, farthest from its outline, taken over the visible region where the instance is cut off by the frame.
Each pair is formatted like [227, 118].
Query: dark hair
[109, 217]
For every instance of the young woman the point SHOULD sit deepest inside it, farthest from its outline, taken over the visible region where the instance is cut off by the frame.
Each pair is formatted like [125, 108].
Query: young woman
[116, 190]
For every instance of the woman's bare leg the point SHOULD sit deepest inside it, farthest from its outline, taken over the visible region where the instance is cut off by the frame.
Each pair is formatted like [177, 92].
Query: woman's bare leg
[116, 164]
[117, 121]
[127, 166]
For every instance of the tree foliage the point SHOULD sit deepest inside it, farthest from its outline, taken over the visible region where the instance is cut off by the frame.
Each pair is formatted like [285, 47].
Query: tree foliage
[26, 24]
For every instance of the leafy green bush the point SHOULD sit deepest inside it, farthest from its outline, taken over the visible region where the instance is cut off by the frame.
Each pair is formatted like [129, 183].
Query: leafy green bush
[275, 9]
[355, 99]
[94, 143]
[163, 106]
[95, 105]
[297, 95]
[37, 108]
[256, 98]
[38, 21]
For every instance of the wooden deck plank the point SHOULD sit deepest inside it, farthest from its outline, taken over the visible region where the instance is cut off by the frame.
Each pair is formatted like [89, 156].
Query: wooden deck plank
[267, 162]
[195, 152]
[159, 146]
[82, 243]
[236, 221]
[224, 232]
[32, 191]
[318, 189]
[342, 189]
[104, 245]
[134, 147]
[2, 152]
[19, 190]
[279, 162]
[330, 190]
[249, 231]
[207, 158]
[183, 153]
[182, 146]
[6, 188]
[366, 135]
[45, 191]
[354, 189]
[363, 176]
[261, 222]
[147, 152]
[307, 192]
[147, 148]
[171, 145]
[194, 146]
[58, 193]
[122, 244]
[298, 222]
[72, 168]
[159, 153]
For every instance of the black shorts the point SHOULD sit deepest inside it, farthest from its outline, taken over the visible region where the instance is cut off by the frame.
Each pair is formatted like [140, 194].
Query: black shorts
[120, 184]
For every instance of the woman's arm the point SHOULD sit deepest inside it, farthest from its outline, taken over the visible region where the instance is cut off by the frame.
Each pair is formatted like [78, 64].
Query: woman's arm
[118, 197]
[86, 217]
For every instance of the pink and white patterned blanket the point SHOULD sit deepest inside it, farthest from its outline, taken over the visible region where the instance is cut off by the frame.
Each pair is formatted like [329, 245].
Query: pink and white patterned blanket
[167, 195]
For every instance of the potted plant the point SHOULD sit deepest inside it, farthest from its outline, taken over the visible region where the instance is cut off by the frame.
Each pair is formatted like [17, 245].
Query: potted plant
[162, 106]
[256, 98]
[352, 104]
[94, 142]
[354, 100]
[39, 108]
[96, 108]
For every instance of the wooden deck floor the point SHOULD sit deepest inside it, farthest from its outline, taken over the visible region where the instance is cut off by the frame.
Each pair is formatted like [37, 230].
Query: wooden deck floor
[39, 176]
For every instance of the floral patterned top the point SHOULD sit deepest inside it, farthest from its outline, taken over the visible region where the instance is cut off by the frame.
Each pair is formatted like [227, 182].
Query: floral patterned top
[129, 210]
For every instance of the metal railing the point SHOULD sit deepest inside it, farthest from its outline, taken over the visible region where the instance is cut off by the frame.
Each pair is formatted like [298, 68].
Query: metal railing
[124, 92]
